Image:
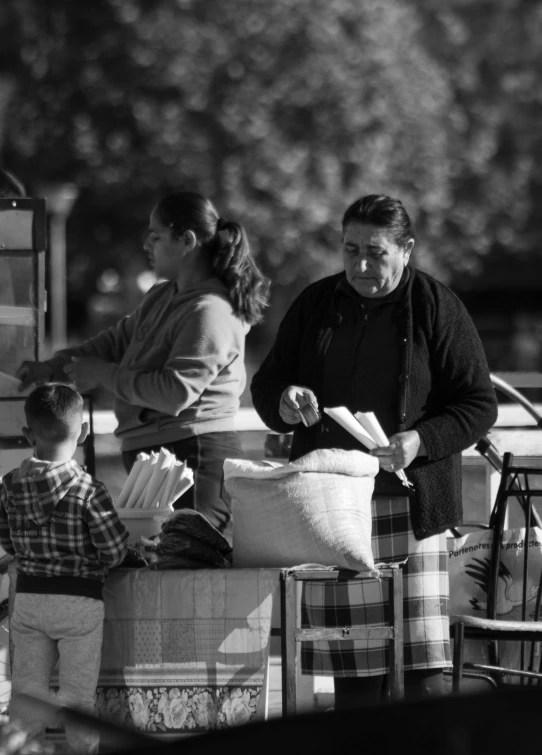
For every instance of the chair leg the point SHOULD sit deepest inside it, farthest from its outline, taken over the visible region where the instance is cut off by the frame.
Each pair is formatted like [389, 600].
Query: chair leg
[459, 647]
[397, 669]
[288, 644]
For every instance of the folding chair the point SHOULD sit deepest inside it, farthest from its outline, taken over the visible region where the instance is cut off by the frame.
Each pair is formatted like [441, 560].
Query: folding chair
[516, 482]
[291, 635]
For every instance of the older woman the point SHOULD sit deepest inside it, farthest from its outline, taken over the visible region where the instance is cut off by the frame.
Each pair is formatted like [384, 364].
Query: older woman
[176, 364]
[384, 337]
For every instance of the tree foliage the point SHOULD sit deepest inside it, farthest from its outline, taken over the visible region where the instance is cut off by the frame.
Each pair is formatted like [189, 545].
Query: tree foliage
[283, 113]
[493, 58]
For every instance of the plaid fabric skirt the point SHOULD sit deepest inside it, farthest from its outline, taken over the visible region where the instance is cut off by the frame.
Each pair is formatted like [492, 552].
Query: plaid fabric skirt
[364, 602]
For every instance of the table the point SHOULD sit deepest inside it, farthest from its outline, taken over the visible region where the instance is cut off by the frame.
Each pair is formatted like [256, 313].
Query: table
[186, 650]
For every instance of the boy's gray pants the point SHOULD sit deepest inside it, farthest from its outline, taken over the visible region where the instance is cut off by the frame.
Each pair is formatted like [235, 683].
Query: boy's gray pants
[67, 628]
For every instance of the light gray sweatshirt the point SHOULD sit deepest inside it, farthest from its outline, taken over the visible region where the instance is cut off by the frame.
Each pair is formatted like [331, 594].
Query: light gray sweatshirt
[175, 365]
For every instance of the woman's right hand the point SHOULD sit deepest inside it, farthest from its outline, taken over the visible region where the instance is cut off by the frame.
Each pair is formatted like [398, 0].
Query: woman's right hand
[34, 373]
[292, 399]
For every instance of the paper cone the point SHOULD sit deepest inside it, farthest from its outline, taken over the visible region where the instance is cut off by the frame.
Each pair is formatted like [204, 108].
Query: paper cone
[138, 492]
[167, 490]
[370, 423]
[372, 426]
[160, 495]
[181, 479]
[346, 419]
[130, 481]
[183, 484]
[159, 474]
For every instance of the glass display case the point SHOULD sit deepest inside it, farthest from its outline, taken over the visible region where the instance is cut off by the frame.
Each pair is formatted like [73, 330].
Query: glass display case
[23, 238]
[23, 241]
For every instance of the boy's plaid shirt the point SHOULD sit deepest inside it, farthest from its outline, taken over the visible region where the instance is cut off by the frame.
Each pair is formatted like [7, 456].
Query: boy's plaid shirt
[60, 523]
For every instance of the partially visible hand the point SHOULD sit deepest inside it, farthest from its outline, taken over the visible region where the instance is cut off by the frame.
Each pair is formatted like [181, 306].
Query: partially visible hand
[34, 373]
[292, 399]
[85, 372]
[401, 452]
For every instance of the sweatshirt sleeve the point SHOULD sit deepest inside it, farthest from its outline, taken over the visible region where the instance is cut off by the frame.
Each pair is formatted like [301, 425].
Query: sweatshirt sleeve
[463, 383]
[108, 534]
[279, 370]
[109, 345]
[202, 345]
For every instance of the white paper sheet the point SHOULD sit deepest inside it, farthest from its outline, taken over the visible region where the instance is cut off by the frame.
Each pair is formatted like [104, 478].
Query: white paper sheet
[346, 420]
[365, 427]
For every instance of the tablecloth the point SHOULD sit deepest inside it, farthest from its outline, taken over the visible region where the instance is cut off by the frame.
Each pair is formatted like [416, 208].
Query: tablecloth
[186, 650]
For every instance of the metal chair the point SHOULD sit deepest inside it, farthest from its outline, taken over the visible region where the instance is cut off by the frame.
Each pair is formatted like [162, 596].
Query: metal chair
[508, 390]
[515, 483]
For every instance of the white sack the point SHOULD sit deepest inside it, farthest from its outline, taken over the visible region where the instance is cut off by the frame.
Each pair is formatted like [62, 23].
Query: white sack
[314, 510]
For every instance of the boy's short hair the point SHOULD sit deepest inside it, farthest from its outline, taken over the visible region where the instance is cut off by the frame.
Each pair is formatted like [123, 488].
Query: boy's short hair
[53, 411]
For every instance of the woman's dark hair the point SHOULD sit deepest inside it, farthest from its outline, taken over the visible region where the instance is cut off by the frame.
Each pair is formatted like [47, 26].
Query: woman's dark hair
[227, 245]
[384, 212]
[10, 186]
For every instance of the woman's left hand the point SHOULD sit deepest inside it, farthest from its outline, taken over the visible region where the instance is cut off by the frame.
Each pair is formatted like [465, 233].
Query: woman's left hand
[85, 372]
[402, 450]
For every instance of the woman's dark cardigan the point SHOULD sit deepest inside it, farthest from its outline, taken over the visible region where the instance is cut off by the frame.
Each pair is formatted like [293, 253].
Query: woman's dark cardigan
[445, 391]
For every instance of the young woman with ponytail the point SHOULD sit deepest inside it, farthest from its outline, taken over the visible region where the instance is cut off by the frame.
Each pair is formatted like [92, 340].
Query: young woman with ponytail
[176, 364]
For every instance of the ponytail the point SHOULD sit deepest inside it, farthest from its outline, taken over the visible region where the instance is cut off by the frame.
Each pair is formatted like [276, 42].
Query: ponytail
[234, 265]
[226, 244]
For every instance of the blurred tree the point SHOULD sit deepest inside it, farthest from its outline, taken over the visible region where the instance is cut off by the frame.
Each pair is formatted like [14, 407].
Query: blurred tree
[493, 58]
[71, 116]
[283, 113]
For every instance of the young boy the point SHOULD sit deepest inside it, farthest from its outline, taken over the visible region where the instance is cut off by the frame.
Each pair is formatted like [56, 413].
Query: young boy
[62, 528]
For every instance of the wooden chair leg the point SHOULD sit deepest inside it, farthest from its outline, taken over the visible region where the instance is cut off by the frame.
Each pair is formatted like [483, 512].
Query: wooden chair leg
[288, 644]
[397, 671]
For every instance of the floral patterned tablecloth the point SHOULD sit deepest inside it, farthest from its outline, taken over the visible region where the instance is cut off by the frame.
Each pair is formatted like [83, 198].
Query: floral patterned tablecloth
[186, 650]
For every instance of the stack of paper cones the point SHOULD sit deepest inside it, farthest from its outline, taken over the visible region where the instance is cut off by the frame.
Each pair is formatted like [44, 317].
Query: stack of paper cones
[156, 481]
